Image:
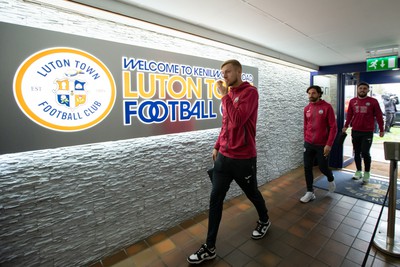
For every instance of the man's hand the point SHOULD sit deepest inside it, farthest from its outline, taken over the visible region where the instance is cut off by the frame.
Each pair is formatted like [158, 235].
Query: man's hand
[344, 129]
[221, 88]
[381, 134]
[214, 154]
[327, 150]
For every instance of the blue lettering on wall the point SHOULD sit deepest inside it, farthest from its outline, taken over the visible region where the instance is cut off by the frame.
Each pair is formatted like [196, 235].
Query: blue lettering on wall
[158, 111]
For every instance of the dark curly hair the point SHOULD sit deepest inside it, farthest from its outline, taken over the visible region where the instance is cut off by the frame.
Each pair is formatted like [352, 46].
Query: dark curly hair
[317, 88]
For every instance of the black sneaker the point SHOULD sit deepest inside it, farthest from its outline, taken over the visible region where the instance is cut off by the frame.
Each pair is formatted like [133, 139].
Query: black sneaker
[204, 253]
[260, 230]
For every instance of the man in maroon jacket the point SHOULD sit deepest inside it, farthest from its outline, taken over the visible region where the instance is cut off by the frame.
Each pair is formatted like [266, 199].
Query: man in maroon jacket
[320, 130]
[361, 115]
[234, 156]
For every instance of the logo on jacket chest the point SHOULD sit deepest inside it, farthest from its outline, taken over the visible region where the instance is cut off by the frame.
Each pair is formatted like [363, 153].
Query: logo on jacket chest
[308, 113]
[362, 109]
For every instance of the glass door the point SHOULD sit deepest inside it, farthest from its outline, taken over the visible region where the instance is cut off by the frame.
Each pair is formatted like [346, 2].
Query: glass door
[329, 85]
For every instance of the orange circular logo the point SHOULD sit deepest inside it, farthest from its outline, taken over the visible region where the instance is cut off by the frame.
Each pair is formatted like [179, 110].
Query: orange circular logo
[64, 89]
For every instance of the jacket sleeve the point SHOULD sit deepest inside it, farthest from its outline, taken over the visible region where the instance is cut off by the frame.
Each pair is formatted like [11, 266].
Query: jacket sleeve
[332, 126]
[304, 123]
[248, 102]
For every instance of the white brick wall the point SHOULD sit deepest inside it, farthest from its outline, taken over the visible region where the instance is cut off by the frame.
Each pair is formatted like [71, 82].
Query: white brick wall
[72, 206]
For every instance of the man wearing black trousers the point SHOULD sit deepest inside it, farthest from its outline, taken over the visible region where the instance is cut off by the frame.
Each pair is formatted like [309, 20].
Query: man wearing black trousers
[234, 156]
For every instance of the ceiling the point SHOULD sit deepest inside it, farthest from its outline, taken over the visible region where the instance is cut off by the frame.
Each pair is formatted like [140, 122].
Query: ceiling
[319, 32]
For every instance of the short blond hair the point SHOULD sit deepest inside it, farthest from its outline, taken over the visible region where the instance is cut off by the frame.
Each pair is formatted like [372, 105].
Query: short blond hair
[234, 62]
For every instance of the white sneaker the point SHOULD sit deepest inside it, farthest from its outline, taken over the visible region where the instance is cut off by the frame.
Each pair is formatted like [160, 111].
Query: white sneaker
[260, 230]
[204, 253]
[332, 186]
[307, 197]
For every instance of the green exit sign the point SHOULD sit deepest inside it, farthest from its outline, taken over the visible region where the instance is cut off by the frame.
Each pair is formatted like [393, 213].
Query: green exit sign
[381, 63]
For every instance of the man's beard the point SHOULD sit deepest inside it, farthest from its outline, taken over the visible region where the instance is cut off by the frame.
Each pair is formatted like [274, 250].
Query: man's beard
[232, 83]
[313, 99]
[362, 94]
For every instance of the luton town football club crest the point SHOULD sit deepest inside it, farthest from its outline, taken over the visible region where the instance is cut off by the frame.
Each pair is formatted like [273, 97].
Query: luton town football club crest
[64, 89]
[71, 93]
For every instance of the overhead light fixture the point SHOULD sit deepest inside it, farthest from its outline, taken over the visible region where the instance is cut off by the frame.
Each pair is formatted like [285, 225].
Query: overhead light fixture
[383, 51]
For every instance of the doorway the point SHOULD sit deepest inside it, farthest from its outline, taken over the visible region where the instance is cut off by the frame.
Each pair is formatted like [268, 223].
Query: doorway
[338, 89]
[343, 79]
[377, 91]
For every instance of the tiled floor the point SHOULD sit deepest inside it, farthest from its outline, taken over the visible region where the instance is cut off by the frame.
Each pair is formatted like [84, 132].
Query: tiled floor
[333, 230]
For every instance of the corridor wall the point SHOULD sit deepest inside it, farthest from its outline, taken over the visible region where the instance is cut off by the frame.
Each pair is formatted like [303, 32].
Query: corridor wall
[71, 206]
